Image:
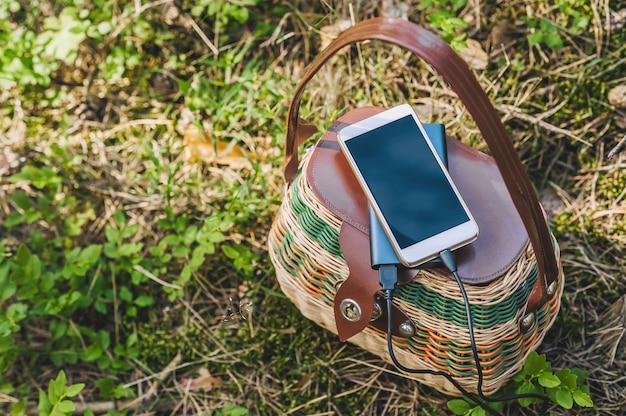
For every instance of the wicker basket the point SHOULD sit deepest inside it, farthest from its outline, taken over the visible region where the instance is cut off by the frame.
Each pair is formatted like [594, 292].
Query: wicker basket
[310, 264]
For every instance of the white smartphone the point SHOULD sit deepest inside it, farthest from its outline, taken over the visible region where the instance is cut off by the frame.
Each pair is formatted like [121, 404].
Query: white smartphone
[407, 185]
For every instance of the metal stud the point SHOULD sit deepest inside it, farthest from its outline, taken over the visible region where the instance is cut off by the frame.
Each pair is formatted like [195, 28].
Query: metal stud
[528, 321]
[350, 310]
[377, 312]
[406, 329]
[551, 290]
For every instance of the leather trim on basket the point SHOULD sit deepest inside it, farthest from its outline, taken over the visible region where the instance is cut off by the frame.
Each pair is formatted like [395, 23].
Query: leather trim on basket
[362, 285]
[502, 233]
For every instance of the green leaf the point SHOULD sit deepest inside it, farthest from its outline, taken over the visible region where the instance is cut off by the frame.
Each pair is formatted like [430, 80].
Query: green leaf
[478, 411]
[56, 387]
[92, 353]
[113, 235]
[190, 234]
[526, 387]
[564, 398]
[74, 389]
[231, 252]
[129, 249]
[535, 364]
[458, 406]
[197, 257]
[7, 289]
[44, 406]
[58, 328]
[233, 410]
[582, 399]
[120, 218]
[548, 380]
[104, 28]
[170, 240]
[22, 200]
[144, 300]
[125, 294]
[90, 254]
[458, 4]
[130, 231]
[180, 251]
[65, 406]
[106, 387]
[535, 38]
[103, 339]
[581, 374]
[17, 311]
[14, 219]
[568, 379]
[111, 251]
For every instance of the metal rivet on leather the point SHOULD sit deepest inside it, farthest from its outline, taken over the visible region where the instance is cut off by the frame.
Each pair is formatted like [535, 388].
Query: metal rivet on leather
[406, 329]
[551, 290]
[350, 310]
[528, 321]
[377, 312]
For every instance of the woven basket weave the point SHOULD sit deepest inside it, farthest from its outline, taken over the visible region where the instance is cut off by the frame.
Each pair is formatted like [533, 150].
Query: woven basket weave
[304, 246]
[309, 264]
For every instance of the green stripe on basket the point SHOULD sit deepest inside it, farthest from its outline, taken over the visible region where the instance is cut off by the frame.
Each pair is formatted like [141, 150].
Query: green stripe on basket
[431, 302]
[314, 227]
[287, 250]
[460, 361]
[453, 310]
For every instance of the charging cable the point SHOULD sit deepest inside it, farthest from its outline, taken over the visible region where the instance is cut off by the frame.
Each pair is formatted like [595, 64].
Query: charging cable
[388, 276]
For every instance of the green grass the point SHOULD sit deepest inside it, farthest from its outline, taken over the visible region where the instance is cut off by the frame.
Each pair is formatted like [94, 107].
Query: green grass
[143, 274]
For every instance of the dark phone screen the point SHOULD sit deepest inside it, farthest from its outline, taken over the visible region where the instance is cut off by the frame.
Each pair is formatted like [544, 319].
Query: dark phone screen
[406, 181]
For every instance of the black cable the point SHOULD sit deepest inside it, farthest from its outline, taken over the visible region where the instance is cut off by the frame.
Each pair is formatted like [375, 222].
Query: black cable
[388, 275]
[394, 359]
[448, 260]
[388, 280]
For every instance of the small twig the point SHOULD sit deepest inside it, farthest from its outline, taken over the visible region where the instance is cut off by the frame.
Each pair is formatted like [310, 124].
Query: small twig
[154, 278]
[544, 124]
[203, 36]
[94, 279]
[617, 148]
[146, 121]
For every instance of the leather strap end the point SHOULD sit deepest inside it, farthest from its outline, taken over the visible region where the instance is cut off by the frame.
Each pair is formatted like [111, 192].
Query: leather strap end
[347, 329]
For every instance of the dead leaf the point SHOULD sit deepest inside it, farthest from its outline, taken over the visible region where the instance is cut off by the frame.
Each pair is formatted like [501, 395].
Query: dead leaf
[502, 34]
[330, 32]
[392, 8]
[617, 20]
[474, 55]
[205, 381]
[4, 164]
[617, 96]
[199, 148]
[304, 382]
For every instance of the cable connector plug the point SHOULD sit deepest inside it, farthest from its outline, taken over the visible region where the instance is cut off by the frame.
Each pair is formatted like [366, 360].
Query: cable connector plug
[388, 276]
[448, 260]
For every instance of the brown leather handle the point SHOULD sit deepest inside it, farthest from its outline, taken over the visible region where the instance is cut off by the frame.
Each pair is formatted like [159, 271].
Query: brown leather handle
[457, 74]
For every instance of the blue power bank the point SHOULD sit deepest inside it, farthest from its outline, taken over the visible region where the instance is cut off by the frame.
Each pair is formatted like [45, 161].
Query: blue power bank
[380, 248]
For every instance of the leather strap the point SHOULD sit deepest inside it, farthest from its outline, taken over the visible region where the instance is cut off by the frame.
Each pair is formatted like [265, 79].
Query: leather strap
[362, 285]
[457, 74]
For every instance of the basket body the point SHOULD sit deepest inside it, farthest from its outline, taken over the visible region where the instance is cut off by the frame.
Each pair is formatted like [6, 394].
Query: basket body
[511, 271]
[305, 250]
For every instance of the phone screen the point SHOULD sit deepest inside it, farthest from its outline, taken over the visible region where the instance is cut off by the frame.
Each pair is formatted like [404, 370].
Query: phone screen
[406, 181]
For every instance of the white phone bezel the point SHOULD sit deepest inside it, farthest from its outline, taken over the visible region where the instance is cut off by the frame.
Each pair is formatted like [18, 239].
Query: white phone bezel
[429, 248]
